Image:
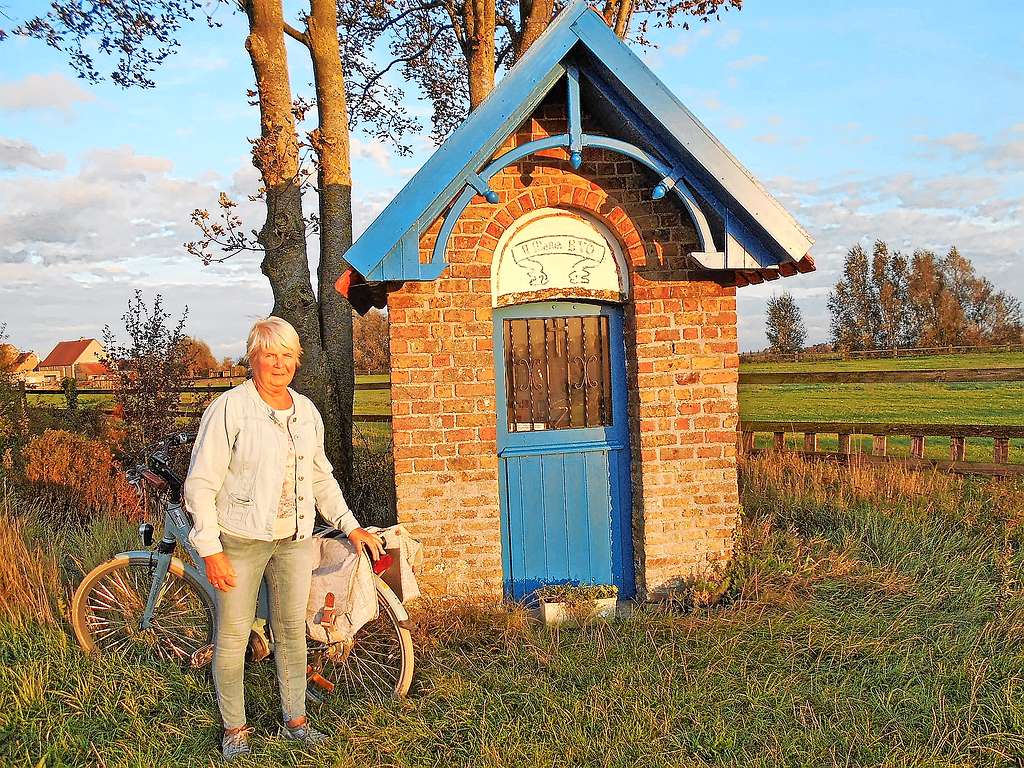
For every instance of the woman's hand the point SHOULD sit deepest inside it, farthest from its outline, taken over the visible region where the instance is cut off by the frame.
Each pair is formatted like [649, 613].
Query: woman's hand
[219, 572]
[362, 539]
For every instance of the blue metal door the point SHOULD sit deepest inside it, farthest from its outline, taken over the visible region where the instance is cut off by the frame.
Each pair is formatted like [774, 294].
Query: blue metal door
[563, 446]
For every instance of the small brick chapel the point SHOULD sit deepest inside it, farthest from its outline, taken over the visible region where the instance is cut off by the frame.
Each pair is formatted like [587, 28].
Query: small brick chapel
[560, 279]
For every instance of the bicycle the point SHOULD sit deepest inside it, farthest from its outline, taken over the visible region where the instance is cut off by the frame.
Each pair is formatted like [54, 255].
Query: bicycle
[150, 604]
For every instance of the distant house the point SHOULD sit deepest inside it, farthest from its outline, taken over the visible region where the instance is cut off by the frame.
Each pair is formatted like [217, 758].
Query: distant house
[91, 371]
[15, 361]
[25, 362]
[67, 356]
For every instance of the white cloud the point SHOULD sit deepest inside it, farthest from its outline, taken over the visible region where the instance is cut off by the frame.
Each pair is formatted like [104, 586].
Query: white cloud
[682, 47]
[121, 164]
[747, 62]
[43, 92]
[1005, 153]
[712, 103]
[74, 246]
[16, 154]
[729, 39]
[372, 150]
[981, 213]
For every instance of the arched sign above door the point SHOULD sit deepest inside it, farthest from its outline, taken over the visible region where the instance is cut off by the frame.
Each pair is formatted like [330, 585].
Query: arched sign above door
[552, 254]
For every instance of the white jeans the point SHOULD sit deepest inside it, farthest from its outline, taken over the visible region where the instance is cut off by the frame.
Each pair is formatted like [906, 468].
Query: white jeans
[288, 566]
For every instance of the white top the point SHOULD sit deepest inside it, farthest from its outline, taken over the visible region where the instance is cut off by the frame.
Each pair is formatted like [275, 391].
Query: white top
[284, 525]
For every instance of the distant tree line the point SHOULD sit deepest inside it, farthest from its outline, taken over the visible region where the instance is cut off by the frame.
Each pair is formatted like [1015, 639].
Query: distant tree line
[889, 301]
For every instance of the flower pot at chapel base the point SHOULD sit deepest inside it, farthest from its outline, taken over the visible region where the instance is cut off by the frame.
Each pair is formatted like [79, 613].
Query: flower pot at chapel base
[555, 613]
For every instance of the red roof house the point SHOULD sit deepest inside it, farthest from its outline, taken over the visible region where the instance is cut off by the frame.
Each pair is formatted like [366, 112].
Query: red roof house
[67, 356]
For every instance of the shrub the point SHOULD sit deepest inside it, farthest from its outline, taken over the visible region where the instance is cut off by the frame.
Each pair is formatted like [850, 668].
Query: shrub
[80, 471]
[148, 370]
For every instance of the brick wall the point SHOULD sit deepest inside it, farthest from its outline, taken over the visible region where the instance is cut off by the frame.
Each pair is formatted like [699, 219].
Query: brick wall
[681, 362]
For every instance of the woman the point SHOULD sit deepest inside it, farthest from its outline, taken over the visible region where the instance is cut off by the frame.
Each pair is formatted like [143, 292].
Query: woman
[258, 467]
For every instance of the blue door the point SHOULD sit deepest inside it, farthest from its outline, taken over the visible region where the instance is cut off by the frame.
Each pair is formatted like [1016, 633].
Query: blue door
[563, 446]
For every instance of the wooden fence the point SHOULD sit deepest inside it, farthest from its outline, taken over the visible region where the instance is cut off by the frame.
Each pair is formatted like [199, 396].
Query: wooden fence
[880, 432]
[206, 389]
[956, 434]
[927, 375]
[873, 354]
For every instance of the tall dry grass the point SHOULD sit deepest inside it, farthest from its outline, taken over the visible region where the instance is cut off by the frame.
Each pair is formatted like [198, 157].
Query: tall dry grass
[30, 583]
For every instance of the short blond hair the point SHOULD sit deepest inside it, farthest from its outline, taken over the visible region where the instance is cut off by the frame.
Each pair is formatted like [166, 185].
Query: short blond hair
[272, 333]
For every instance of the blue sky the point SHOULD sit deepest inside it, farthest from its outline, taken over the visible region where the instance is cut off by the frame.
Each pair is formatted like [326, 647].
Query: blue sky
[899, 121]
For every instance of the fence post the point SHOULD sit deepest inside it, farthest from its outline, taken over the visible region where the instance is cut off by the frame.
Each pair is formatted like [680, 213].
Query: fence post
[779, 442]
[957, 448]
[810, 442]
[844, 443]
[22, 409]
[917, 447]
[747, 442]
[1001, 452]
[878, 445]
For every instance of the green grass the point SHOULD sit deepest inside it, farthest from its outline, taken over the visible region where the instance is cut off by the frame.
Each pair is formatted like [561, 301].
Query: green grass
[373, 402]
[876, 618]
[972, 360]
[956, 403]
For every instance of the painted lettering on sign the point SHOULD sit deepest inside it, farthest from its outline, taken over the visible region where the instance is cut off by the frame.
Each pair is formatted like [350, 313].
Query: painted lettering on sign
[554, 254]
[579, 254]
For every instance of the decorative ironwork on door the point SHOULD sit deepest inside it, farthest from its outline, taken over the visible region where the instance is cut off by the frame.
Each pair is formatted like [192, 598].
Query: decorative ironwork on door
[558, 373]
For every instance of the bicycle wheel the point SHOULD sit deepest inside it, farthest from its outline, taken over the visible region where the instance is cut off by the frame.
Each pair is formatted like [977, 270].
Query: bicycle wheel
[106, 611]
[380, 661]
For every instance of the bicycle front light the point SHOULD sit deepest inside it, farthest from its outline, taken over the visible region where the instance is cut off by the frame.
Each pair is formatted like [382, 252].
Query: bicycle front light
[146, 532]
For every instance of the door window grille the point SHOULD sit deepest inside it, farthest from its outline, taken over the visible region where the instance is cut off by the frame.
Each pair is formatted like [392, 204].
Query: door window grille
[557, 373]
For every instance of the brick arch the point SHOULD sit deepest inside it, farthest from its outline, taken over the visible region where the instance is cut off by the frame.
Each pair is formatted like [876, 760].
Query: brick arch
[571, 193]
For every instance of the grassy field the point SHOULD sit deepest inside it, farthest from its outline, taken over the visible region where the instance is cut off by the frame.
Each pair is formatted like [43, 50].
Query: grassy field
[974, 360]
[875, 617]
[923, 403]
[372, 402]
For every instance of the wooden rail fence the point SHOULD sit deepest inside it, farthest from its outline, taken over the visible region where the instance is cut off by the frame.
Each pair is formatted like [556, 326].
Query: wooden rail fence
[875, 354]
[216, 388]
[956, 434]
[922, 376]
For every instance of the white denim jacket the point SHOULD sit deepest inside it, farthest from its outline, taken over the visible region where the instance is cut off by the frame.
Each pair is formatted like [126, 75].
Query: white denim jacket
[237, 470]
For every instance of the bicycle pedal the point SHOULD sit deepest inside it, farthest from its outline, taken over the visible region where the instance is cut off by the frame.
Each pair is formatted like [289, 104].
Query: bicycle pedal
[202, 656]
[319, 680]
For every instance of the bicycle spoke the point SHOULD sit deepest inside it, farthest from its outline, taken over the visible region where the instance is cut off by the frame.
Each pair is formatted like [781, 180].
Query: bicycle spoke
[373, 666]
[115, 604]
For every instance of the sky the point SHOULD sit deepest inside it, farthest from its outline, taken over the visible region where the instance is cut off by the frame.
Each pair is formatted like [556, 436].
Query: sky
[900, 121]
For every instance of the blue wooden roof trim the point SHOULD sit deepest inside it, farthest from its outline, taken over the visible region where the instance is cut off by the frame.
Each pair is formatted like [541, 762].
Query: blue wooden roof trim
[472, 144]
[636, 78]
[753, 228]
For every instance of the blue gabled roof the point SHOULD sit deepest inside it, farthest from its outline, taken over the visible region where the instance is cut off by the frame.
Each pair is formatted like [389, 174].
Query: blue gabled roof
[749, 217]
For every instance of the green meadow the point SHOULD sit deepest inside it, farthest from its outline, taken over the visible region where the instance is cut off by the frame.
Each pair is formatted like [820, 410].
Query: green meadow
[870, 617]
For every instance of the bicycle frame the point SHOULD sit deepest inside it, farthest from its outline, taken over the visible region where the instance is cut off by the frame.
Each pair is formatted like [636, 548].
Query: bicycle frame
[176, 530]
[177, 527]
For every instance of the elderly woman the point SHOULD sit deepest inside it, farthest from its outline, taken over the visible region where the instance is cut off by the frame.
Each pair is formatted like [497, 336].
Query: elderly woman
[258, 466]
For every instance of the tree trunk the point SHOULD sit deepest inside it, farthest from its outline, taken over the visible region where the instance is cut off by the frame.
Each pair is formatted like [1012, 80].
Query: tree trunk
[331, 142]
[479, 17]
[534, 17]
[283, 236]
[617, 14]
